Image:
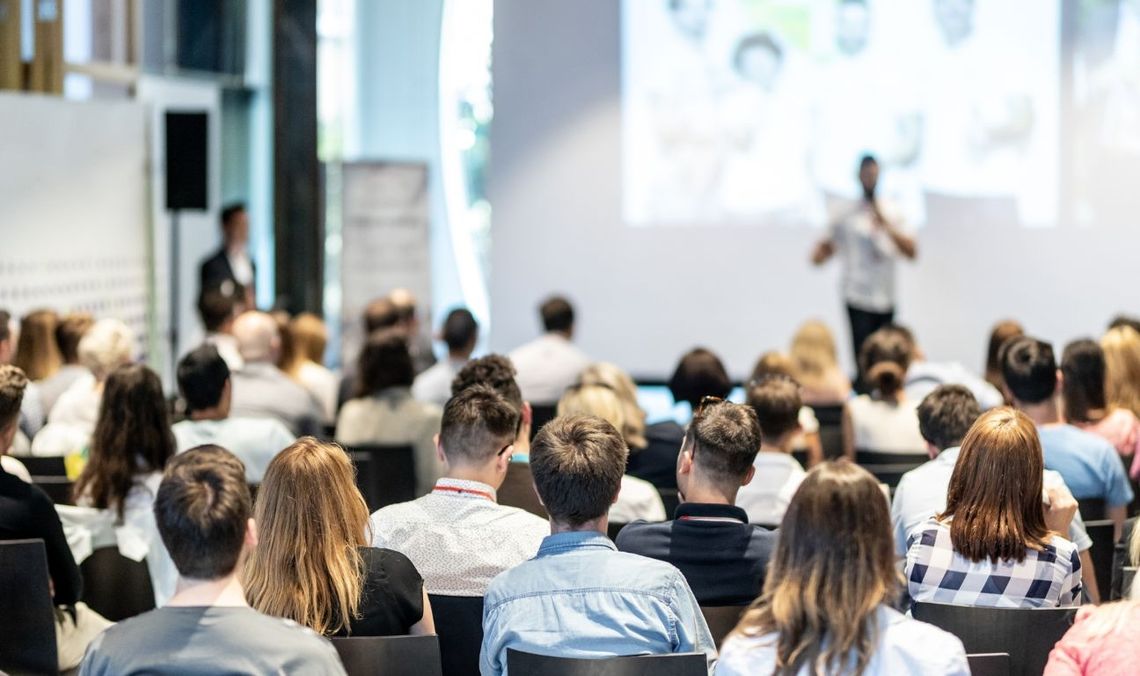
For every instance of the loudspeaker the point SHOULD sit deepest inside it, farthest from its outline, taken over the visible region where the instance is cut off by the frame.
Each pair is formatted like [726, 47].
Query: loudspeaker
[187, 160]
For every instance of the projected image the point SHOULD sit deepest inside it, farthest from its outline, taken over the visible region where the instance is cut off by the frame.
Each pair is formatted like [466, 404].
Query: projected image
[757, 111]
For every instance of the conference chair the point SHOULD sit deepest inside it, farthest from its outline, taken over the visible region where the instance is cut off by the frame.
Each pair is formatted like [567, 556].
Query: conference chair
[830, 431]
[1026, 634]
[801, 457]
[1127, 575]
[988, 664]
[1121, 558]
[868, 457]
[670, 498]
[389, 655]
[722, 620]
[50, 474]
[459, 625]
[114, 586]
[679, 664]
[518, 490]
[612, 530]
[1103, 544]
[27, 620]
[1091, 509]
[540, 415]
[385, 474]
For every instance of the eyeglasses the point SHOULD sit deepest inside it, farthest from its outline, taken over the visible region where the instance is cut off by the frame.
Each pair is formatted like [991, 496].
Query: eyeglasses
[504, 449]
[708, 402]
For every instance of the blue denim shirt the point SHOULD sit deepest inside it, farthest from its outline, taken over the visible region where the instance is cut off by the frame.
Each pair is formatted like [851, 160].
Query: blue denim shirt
[580, 597]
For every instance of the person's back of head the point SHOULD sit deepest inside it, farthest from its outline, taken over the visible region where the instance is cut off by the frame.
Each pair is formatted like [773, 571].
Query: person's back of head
[775, 398]
[460, 332]
[107, 345]
[1122, 367]
[994, 498]
[311, 520]
[557, 315]
[203, 512]
[1125, 320]
[385, 362]
[13, 383]
[308, 338]
[773, 364]
[495, 371]
[217, 310]
[633, 416]
[1003, 332]
[946, 415]
[70, 330]
[36, 350]
[699, 374]
[1029, 370]
[821, 605]
[257, 336]
[720, 445]
[578, 462]
[596, 400]
[1083, 388]
[404, 303]
[478, 427]
[202, 376]
[884, 359]
[813, 351]
[379, 314]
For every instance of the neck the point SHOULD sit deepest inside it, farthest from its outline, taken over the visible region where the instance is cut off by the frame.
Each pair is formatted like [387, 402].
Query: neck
[560, 334]
[484, 475]
[461, 355]
[225, 591]
[1043, 413]
[599, 525]
[214, 413]
[708, 493]
[781, 444]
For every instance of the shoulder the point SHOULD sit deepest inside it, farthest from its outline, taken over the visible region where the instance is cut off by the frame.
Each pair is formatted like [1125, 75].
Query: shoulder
[388, 563]
[746, 655]
[641, 536]
[902, 633]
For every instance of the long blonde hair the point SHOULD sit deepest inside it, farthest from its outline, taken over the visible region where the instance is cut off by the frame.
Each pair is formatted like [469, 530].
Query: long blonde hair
[597, 400]
[813, 354]
[36, 350]
[311, 520]
[308, 338]
[1122, 367]
[612, 376]
[832, 569]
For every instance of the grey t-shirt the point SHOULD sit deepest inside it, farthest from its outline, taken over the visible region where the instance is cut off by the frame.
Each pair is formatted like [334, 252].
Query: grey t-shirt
[207, 641]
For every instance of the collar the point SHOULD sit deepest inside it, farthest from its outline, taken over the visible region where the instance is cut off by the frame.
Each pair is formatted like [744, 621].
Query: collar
[950, 455]
[700, 511]
[465, 489]
[579, 539]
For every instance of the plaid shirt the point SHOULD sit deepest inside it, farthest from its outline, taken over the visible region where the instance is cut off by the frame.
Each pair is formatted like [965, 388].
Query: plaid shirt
[935, 572]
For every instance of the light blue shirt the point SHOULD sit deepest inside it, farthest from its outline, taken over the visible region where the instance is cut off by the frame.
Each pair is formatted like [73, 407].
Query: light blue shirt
[255, 441]
[1091, 466]
[580, 597]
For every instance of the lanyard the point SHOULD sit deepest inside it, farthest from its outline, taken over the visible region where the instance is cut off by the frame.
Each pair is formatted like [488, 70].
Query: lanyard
[464, 491]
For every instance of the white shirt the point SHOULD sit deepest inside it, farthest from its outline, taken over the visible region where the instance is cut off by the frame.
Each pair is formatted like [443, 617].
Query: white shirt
[228, 350]
[241, 266]
[924, 376]
[324, 385]
[458, 536]
[79, 404]
[885, 427]
[255, 441]
[15, 468]
[638, 500]
[547, 366]
[394, 417]
[434, 384]
[868, 255]
[766, 497]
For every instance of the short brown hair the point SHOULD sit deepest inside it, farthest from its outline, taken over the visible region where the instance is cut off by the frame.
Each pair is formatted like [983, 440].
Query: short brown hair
[201, 509]
[557, 314]
[724, 439]
[885, 357]
[946, 415]
[494, 371]
[477, 423]
[776, 400]
[13, 382]
[699, 374]
[69, 332]
[384, 362]
[578, 463]
[381, 313]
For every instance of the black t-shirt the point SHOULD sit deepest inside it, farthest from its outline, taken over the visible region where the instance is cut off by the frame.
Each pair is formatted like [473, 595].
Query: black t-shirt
[392, 600]
[657, 462]
[26, 512]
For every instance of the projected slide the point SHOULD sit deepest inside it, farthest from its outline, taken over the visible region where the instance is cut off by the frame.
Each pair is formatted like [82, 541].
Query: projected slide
[757, 111]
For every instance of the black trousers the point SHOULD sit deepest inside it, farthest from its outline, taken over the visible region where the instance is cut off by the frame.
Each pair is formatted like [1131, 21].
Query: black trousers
[863, 324]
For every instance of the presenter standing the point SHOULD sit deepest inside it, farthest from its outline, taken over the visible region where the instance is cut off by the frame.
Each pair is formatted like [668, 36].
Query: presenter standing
[869, 236]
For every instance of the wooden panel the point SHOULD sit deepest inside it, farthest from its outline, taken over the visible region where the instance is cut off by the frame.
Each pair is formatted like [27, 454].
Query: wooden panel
[11, 70]
[46, 74]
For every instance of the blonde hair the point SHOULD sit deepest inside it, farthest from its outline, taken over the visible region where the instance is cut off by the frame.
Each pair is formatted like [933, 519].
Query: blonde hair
[1122, 367]
[107, 345]
[611, 375]
[311, 520]
[773, 363]
[599, 401]
[813, 354]
[36, 350]
[308, 338]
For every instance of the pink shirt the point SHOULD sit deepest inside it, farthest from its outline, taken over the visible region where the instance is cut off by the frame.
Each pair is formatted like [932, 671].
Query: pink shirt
[1121, 428]
[1102, 641]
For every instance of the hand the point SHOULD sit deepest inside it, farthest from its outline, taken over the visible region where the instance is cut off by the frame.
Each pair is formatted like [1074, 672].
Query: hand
[822, 252]
[1060, 508]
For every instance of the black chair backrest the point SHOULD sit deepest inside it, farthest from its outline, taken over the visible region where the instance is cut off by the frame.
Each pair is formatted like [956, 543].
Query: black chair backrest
[389, 655]
[1027, 634]
[829, 416]
[518, 490]
[670, 498]
[612, 530]
[1092, 509]
[868, 457]
[680, 664]
[722, 620]
[27, 620]
[830, 431]
[385, 474]
[114, 586]
[1101, 533]
[58, 488]
[989, 664]
[459, 624]
[801, 457]
[49, 466]
[540, 415]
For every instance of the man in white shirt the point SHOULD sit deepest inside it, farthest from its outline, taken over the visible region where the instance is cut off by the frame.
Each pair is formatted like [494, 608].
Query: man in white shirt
[218, 310]
[230, 269]
[458, 536]
[260, 389]
[205, 385]
[550, 363]
[923, 376]
[869, 237]
[776, 401]
[460, 333]
[944, 418]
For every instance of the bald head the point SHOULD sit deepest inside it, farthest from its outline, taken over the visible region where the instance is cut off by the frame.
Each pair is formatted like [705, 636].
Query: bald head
[257, 337]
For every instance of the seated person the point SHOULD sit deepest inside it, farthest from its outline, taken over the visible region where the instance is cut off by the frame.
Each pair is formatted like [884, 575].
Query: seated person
[496, 372]
[996, 544]
[68, 333]
[580, 597]
[722, 557]
[1084, 394]
[827, 612]
[458, 536]
[883, 421]
[204, 516]
[923, 376]
[550, 363]
[1102, 640]
[206, 387]
[776, 401]
[312, 563]
[806, 438]
[460, 333]
[260, 388]
[815, 365]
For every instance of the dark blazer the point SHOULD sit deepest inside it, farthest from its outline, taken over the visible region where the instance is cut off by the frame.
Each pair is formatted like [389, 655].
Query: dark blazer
[216, 270]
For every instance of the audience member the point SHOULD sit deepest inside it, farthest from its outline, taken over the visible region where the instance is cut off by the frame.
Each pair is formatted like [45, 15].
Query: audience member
[36, 351]
[816, 365]
[309, 337]
[68, 332]
[1122, 367]
[1102, 641]
[312, 563]
[722, 557]
[1090, 465]
[1085, 398]
[458, 536]
[1125, 320]
[384, 411]
[776, 401]
[260, 389]
[1002, 333]
[218, 311]
[638, 499]
[32, 410]
[550, 363]
[204, 517]
[827, 605]
[460, 333]
[923, 376]
[996, 544]
[883, 421]
[231, 269]
[580, 597]
[807, 437]
[408, 320]
[206, 387]
[496, 372]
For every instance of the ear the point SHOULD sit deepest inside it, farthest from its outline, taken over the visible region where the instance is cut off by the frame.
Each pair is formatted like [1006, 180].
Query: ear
[439, 449]
[685, 463]
[250, 533]
[932, 450]
[527, 413]
[503, 460]
[751, 474]
[537, 494]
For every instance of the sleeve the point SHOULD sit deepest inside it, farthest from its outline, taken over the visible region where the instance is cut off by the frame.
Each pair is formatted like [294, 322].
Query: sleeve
[491, 654]
[1071, 586]
[406, 585]
[957, 663]
[94, 663]
[65, 575]
[898, 522]
[1118, 492]
[1068, 657]
[693, 635]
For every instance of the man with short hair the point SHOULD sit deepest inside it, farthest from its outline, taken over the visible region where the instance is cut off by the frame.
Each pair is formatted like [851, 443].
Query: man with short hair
[231, 269]
[498, 373]
[776, 401]
[550, 363]
[1091, 467]
[68, 333]
[205, 517]
[260, 389]
[460, 333]
[218, 310]
[206, 387]
[458, 536]
[580, 597]
[723, 557]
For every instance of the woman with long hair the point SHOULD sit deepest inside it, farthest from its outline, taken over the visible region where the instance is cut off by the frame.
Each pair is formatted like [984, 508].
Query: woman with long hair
[815, 365]
[883, 421]
[309, 337]
[312, 563]
[1122, 367]
[1001, 334]
[826, 605]
[36, 350]
[996, 544]
[1085, 397]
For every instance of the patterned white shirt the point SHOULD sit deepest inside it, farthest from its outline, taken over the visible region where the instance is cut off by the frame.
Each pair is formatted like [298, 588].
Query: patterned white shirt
[458, 536]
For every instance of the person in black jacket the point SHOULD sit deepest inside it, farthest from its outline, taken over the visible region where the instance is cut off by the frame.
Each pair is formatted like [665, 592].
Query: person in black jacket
[231, 269]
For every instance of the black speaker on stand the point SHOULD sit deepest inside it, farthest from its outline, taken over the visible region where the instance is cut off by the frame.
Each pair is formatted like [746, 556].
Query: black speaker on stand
[187, 179]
